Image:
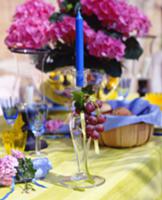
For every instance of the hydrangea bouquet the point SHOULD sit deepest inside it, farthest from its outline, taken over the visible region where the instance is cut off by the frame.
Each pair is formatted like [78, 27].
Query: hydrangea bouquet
[110, 31]
[17, 168]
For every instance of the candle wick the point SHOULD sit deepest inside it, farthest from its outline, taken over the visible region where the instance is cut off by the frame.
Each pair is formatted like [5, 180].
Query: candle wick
[78, 8]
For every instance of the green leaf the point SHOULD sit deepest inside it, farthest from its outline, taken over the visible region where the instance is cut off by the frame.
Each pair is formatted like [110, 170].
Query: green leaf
[69, 7]
[133, 48]
[88, 90]
[114, 68]
[113, 33]
[25, 170]
[78, 97]
[56, 17]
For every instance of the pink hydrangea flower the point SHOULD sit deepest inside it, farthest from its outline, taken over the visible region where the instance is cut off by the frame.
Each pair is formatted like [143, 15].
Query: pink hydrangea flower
[104, 46]
[89, 34]
[8, 170]
[17, 154]
[53, 125]
[31, 26]
[64, 30]
[98, 44]
[35, 8]
[29, 34]
[118, 15]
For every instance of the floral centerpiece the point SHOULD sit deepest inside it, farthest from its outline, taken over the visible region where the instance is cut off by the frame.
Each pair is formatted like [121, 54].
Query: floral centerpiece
[110, 31]
[16, 168]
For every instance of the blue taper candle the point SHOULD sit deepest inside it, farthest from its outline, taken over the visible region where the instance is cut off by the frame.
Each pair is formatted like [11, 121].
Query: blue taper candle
[79, 51]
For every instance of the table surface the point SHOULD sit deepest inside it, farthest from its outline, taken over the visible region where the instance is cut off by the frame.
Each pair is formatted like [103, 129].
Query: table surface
[131, 174]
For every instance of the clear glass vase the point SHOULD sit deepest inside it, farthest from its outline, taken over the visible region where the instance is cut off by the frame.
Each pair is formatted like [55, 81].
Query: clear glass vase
[82, 179]
[62, 82]
[30, 80]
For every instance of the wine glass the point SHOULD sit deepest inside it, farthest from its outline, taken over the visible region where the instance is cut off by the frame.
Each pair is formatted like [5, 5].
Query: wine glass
[125, 82]
[10, 110]
[9, 106]
[36, 116]
[123, 88]
[9, 101]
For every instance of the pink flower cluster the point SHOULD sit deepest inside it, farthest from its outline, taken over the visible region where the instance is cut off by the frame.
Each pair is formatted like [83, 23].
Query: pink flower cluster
[64, 30]
[8, 166]
[17, 154]
[53, 125]
[118, 15]
[98, 44]
[31, 26]
[8, 170]
[106, 47]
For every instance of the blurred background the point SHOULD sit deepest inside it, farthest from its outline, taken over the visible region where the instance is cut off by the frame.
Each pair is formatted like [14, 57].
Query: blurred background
[149, 66]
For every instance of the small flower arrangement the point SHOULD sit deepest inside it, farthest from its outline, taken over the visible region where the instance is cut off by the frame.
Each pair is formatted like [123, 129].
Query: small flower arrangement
[110, 31]
[17, 168]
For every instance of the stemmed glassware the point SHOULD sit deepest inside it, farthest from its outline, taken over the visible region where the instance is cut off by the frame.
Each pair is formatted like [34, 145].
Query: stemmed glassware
[9, 103]
[10, 111]
[36, 115]
[124, 85]
[82, 179]
[123, 88]
[32, 101]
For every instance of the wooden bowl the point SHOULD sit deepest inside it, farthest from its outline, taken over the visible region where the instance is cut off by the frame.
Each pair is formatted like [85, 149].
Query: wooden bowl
[127, 136]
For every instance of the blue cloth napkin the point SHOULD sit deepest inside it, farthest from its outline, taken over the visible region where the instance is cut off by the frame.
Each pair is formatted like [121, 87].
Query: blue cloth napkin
[142, 111]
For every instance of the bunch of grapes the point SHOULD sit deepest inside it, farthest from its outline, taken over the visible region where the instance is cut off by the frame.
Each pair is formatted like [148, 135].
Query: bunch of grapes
[94, 119]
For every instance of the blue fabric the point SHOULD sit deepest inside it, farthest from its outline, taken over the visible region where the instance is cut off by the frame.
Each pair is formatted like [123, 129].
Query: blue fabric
[38, 184]
[142, 111]
[42, 166]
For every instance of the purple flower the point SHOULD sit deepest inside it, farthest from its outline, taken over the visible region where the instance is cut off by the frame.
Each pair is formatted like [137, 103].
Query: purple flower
[53, 125]
[8, 170]
[17, 154]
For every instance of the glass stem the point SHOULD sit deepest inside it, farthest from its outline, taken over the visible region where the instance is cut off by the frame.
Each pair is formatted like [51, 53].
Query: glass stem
[72, 121]
[37, 145]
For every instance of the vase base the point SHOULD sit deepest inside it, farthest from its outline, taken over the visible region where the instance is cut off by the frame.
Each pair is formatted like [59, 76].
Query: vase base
[81, 182]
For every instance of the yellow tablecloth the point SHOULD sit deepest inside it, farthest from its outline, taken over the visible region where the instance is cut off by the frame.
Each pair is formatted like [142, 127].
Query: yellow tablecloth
[131, 174]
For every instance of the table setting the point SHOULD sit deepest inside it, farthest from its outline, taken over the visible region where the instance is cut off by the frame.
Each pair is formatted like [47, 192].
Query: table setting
[68, 128]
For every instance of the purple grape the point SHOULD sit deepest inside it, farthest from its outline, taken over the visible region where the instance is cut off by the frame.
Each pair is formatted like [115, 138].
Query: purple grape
[99, 128]
[92, 120]
[90, 107]
[90, 128]
[101, 119]
[99, 103]
[95, 135]
[86, 116]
